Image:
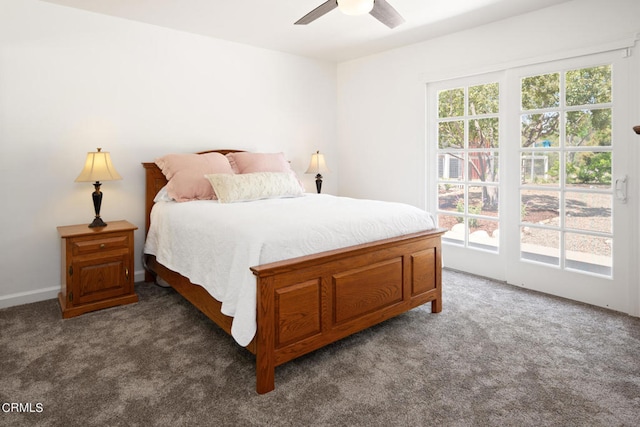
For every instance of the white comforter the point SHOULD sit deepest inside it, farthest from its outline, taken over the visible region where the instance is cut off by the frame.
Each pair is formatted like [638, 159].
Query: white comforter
[214, 244]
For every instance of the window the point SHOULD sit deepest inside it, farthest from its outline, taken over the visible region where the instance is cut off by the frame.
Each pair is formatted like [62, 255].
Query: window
[468, 173]
[566, 148]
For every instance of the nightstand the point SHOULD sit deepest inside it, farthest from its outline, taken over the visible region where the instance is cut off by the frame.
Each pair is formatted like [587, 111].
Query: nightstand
[97, 267]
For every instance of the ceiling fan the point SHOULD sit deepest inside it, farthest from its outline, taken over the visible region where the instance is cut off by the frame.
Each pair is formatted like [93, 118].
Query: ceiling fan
[379, 9]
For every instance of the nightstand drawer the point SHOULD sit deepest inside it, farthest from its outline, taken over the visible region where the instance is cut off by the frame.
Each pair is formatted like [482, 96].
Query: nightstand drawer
[92, 245]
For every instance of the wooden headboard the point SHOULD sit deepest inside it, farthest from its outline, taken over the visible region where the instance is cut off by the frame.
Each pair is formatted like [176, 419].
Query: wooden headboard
[155, 180]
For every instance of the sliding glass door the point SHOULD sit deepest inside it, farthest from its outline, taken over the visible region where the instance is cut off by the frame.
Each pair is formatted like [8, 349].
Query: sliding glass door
[569, 149]
[531, 181]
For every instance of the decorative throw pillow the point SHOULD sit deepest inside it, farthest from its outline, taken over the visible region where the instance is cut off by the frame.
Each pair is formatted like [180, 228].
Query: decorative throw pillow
[245, 162]
[231, 188]
[185, 174]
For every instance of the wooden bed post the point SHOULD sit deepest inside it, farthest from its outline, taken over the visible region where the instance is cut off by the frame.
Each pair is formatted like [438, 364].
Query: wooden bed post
[265, 335]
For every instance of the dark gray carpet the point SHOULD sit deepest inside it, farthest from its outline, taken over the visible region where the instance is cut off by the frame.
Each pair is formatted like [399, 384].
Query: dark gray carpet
[496, 356]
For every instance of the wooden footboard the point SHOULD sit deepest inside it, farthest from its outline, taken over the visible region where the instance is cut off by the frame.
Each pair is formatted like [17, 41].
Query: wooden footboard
[308, 302]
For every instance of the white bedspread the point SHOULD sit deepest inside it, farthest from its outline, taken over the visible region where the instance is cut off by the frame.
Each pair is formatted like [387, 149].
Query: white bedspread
[214, 244]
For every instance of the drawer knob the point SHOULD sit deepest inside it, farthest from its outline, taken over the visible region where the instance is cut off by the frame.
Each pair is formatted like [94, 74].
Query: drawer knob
[102, 245]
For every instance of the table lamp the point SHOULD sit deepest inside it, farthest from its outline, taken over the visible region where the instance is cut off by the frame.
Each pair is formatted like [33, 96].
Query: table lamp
[98, 167]
[318, 166]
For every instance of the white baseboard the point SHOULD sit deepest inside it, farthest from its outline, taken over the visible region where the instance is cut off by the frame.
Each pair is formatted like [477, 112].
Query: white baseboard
[43, 294]
[29, 297]
[138, 276]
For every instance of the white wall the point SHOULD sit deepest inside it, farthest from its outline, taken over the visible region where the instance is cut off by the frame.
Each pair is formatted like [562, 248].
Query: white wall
[71, 81]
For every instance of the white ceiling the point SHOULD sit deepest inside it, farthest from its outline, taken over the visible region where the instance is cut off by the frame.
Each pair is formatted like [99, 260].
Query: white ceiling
[333, 37]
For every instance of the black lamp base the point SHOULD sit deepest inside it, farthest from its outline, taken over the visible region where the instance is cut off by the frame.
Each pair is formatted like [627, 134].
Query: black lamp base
[318, 183]
[97, 202]
[98, 222]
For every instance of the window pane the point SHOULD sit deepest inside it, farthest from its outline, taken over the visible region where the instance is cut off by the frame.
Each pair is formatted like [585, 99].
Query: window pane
[541, 91]
[451, 103]
[588, 211]
[537, 244]
[483, 200]
[539, 168]
[483, 133]
[451, 134]
[484, 99]
[540, 207]
[483, 234]
[483, 166]
[589, 85]
[455, 225]
[451, 166]
[588, 253]
[589, 169]
[451, 197]
[540, 130]
[589, 128]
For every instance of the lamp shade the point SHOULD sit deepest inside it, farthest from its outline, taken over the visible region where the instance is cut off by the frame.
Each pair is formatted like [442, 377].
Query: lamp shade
[355, 7]
[317, 165]
[98, 167]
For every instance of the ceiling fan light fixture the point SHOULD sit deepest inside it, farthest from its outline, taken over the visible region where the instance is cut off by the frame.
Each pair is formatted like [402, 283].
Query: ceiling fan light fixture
[355, 7]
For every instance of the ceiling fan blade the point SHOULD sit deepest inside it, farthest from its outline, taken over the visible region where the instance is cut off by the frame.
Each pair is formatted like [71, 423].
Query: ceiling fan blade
[316, 13]
[386, 14]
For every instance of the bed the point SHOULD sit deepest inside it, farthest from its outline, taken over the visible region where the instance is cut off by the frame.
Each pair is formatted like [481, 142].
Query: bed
[310, 301]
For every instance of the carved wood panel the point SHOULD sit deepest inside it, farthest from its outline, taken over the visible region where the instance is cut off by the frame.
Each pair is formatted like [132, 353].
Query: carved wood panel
[423, 266]
[366, 289]
[298, 313]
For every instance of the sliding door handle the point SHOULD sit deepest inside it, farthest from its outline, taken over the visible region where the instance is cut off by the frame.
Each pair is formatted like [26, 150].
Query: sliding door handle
[621, 189]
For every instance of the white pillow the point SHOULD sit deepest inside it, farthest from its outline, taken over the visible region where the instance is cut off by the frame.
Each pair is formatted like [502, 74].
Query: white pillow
[163, 196]
[245, 187]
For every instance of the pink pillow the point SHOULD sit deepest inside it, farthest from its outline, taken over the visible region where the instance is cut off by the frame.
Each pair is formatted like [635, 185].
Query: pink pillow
[244, 162]
[186, 174]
